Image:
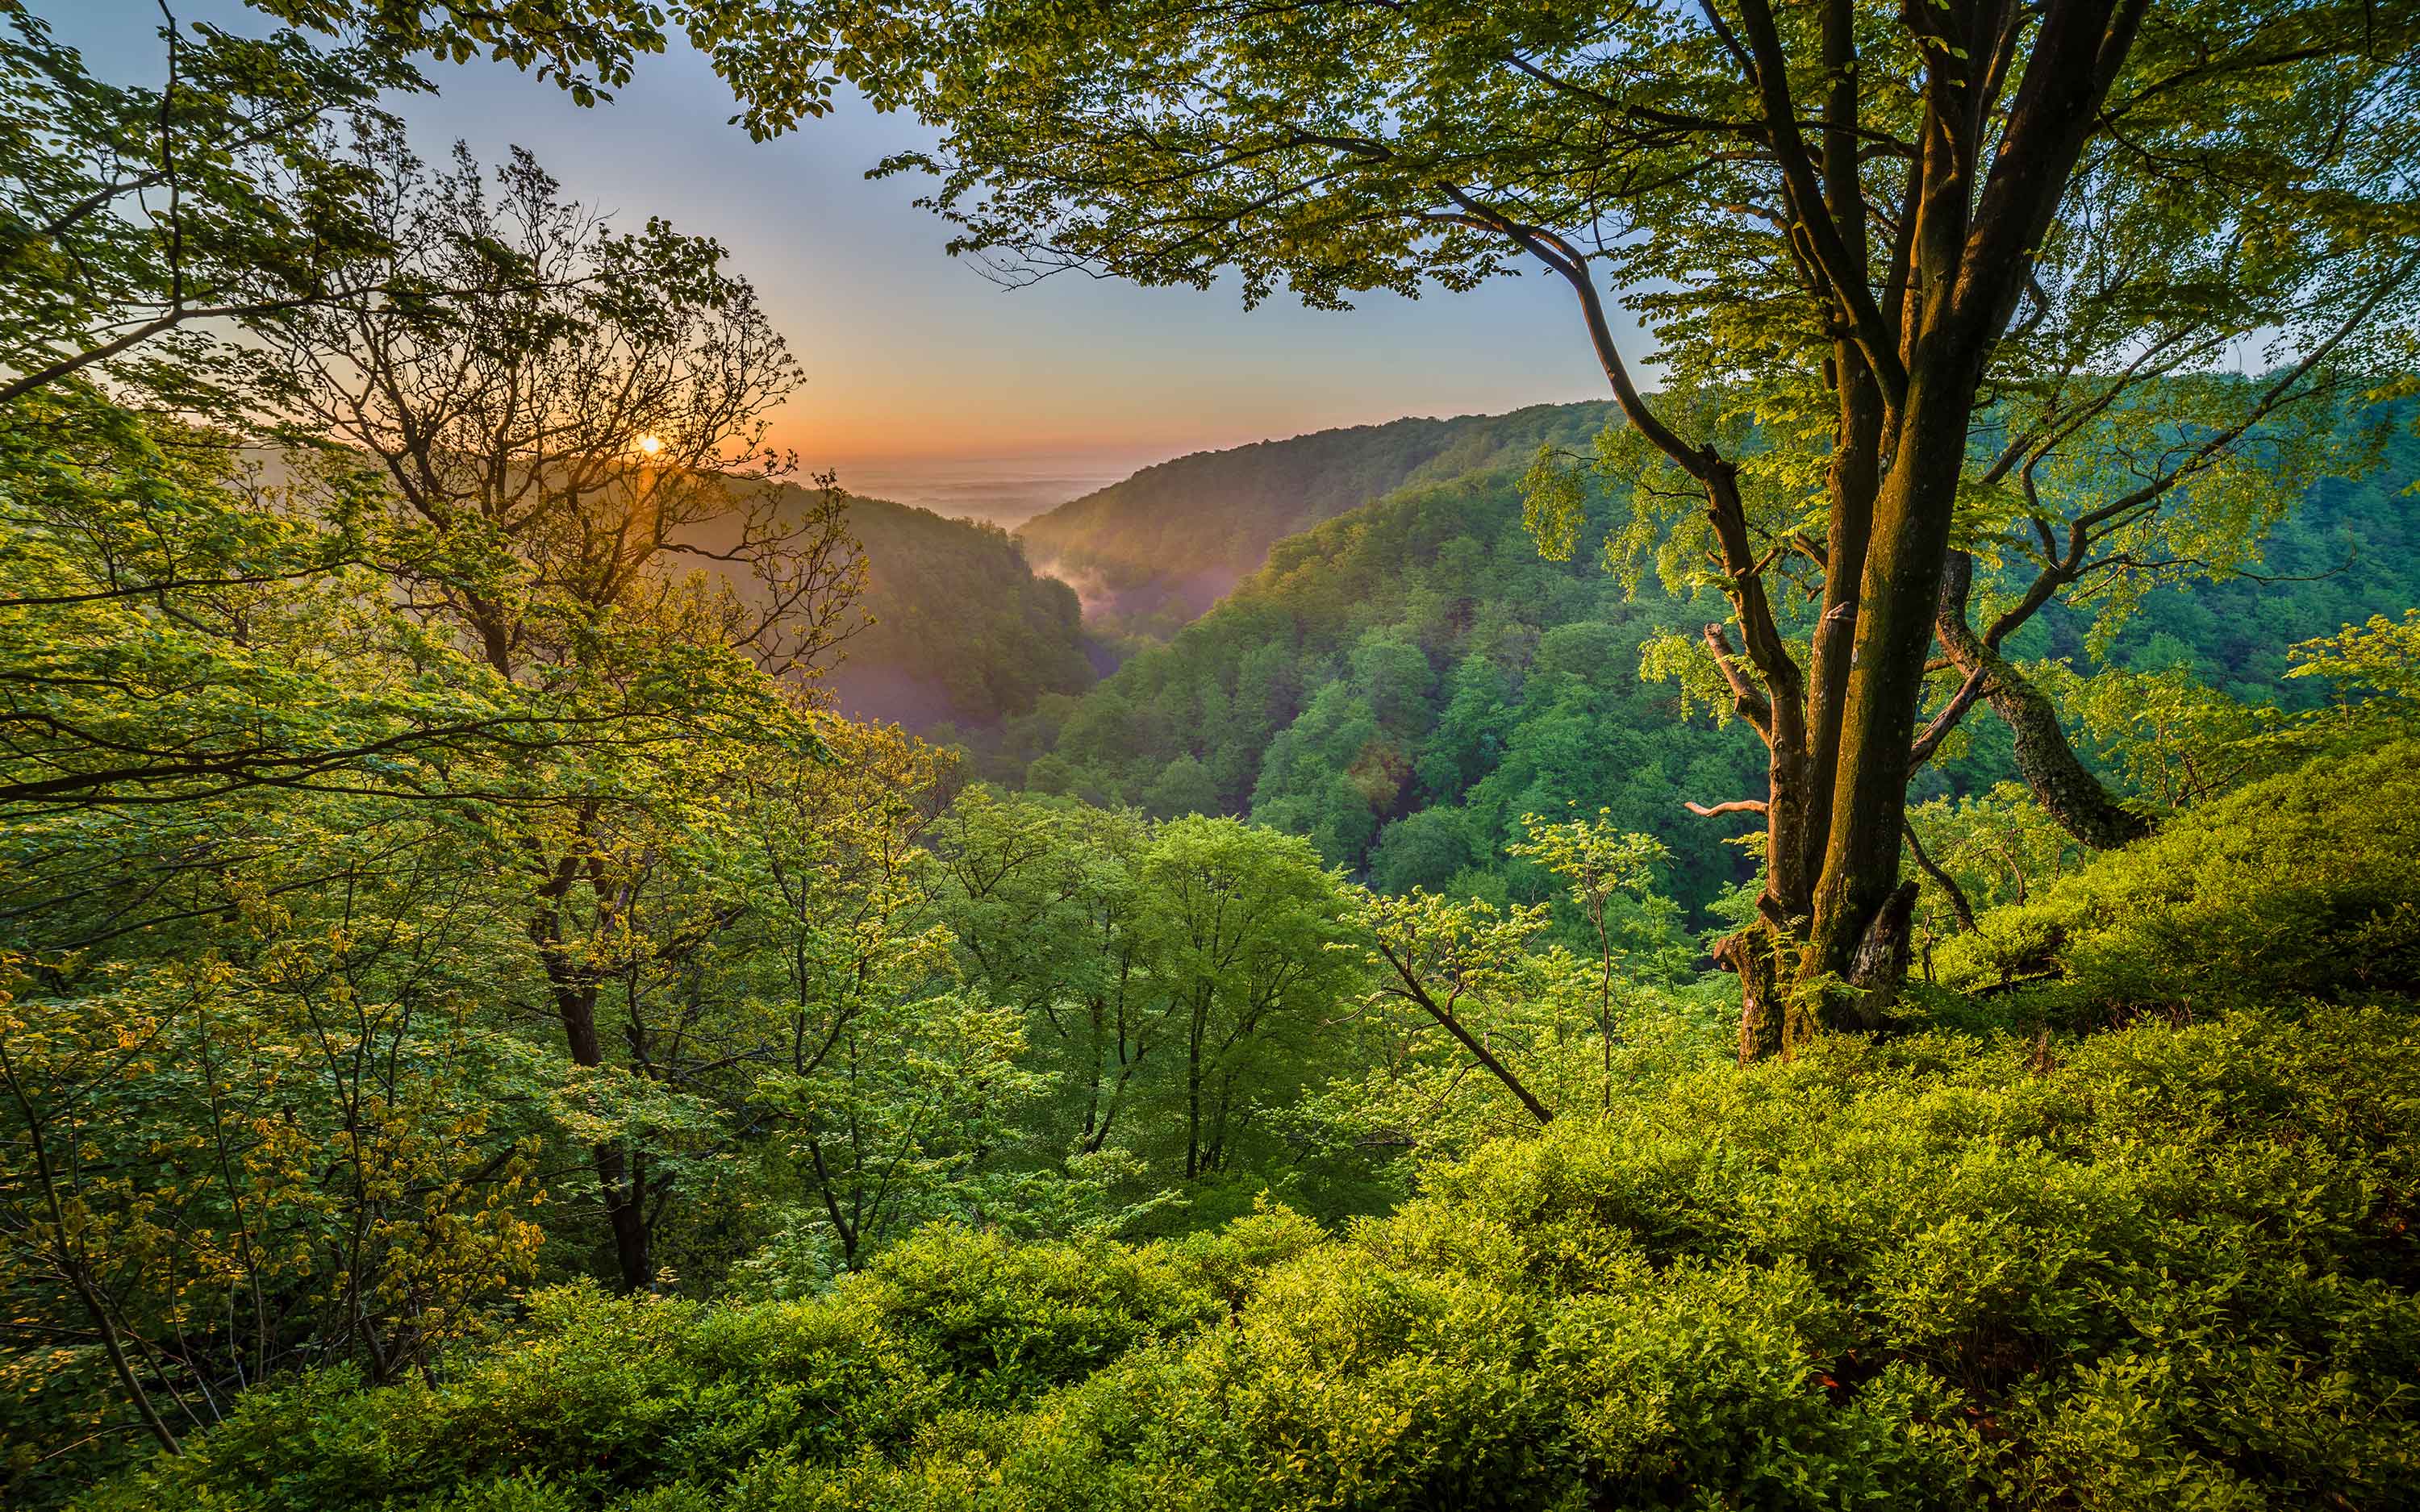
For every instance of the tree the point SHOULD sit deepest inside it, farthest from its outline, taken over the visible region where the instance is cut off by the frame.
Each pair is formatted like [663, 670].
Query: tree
[1046, 906]
[1434, 953]
[1852, 226]
[2121, 483]
[1239, 938]
[180, 618]
[179, 627]
[1426, 848]
[277, 1128]
[584, 425]
[1183, 787]
[894, 1079]
[143, 226]
[318, 776]
[1470, 730]
[2176, 743]
[1471, 1031]
[1598, 862]
[1393, 678]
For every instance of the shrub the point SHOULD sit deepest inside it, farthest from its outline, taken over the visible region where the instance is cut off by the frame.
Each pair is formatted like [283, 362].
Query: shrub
[597, 1397]
[2299, 886]
[2169, 1264]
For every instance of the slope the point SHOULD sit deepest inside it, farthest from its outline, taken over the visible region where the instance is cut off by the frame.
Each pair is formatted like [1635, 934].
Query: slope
[1158, 550]
[1402, 684]
[964, 632]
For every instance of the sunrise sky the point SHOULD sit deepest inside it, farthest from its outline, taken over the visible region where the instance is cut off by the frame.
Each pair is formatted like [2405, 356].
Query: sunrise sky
[919, 369]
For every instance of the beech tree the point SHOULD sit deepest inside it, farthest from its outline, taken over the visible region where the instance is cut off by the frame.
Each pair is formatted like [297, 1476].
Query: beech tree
[1044, 902]
[1864, 237]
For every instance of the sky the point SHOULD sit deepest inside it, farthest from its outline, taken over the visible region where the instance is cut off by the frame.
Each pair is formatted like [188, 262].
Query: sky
[920, 373]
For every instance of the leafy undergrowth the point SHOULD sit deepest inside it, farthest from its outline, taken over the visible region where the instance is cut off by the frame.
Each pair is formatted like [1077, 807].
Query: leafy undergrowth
[2297, 887]
[2164, 1266]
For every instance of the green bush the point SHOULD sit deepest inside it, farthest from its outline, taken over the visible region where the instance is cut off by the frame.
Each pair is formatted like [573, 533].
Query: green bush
[598, 1397]
[2165, 1265]
[2299, 885]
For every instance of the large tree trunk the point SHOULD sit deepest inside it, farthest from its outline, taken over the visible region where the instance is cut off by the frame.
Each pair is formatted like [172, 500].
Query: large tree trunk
[1898, 596]
[1754, 955]
[1855, 476]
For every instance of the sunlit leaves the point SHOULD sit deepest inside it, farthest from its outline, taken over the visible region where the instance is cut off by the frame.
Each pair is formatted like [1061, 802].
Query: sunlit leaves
[2375, 666]
[1595, 859]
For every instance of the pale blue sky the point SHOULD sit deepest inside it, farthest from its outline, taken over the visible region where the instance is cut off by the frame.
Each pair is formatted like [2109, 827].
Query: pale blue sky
[910, 355]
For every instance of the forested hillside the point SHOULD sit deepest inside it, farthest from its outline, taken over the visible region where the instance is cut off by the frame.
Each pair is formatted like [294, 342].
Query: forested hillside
[1158, 550]
[959, 629]
[1402, 684]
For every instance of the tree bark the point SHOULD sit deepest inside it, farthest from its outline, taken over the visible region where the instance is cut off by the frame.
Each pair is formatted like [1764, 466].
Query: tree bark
[2059, 781]
[624, 1212]
[1854, 475]
[1194, 1044]
[1754, 956]
[575, 1006]
[1896, 601]
[1879, 965]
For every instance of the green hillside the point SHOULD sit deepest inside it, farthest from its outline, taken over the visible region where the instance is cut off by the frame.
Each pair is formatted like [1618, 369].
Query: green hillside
[1159, 549]
[1402, 684]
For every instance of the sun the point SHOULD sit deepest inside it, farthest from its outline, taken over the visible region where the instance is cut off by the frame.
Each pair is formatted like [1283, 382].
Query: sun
[650, 445]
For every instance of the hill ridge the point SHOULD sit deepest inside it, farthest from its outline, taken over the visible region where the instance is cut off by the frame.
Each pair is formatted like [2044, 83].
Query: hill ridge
[1154, 550]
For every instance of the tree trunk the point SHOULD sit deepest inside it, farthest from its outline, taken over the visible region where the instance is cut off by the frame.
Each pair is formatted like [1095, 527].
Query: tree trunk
[2060, 782]
[575, 1006]
[1855, 476]
[1879, 965]
[633, 1245]
[1754, 954]
[1898, 599]
[1199, 1033]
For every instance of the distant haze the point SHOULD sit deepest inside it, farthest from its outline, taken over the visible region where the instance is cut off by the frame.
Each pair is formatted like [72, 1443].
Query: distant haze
[1005, 490]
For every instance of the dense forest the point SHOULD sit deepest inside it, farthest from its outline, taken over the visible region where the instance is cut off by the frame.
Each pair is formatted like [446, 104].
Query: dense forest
[1836, 930]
